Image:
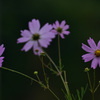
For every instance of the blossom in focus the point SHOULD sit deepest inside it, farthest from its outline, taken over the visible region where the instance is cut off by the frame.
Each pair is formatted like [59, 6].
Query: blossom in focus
[35, 37]
[93, 53]
[1, 52]
[61, 29]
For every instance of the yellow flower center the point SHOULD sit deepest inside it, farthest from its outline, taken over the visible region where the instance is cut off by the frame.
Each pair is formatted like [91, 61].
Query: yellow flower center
[59, 30]
[97, 53]
[36, 36]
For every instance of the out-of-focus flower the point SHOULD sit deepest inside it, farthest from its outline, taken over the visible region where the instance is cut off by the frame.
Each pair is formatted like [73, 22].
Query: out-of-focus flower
[93, 53]
[61, 29]
[1, 52]
[35, 37]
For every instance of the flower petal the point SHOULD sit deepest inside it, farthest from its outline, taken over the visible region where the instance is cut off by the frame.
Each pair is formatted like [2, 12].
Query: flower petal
[66, 27]
[62, 23]
[66, 32]
[23, 39]
[57, 23]
[45, 28]
[48, 35]
[62, 35]
[2, 49]
[91, 43]
[44, 42]
[28, 46]
[88, 57]
[86, 48]
[1, 60]
[94, 63]
[98, 45]
[34, 26]
[26, 33]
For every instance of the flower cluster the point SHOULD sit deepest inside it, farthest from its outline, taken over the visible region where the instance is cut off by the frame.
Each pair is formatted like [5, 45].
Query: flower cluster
[37, 37]
[1, 52]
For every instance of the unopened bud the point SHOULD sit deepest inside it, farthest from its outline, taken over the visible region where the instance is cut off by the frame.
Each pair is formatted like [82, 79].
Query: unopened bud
[42, 54]
[35, 72]
[86, 69]
[99, 82]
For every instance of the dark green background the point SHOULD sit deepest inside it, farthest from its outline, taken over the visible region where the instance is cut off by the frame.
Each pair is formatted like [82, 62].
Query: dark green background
[83, 16]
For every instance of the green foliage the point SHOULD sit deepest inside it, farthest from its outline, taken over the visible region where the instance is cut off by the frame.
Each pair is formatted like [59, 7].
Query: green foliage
[80, 94]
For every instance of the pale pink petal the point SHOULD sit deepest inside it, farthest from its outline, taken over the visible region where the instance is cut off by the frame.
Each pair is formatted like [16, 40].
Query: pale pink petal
[34, 26]
[48, 35]
[28, 46]
[88, 57]
[44, 43]
[1, 60]
[66, 27]
[54, 26]
[45, 28]
[57, 23]
[23, 39]
[26, 33]
[62, 36]
[2, 49]
[98, 45]
[66, 32]
[94, 63]
[62, 23]
[99, 61]
[91, 43]
[86, 48]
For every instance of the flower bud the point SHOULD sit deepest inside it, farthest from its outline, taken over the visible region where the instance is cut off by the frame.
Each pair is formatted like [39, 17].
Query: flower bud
[86, 69]
[35, 72]
[42, 54]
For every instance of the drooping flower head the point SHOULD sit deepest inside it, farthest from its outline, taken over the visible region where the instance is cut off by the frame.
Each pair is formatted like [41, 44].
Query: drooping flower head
[93, 53]
[61, 29]
[35, 37]
[1, 52]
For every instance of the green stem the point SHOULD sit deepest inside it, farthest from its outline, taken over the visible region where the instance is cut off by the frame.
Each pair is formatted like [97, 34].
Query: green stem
[20, 74]
[96, 87]
[89, 81]
[93, 96]
[31, 79]
[53, 93]
[44, 72]
[59, 53]
[94, 80]
[65, 85]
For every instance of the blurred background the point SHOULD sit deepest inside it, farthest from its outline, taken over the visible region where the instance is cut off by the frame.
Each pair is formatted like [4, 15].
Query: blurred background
[83, 16]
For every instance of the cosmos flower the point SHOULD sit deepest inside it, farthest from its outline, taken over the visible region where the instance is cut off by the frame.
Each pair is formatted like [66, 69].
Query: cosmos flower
[35, 37]
[61, 29]
[1, 52]
[93, 53]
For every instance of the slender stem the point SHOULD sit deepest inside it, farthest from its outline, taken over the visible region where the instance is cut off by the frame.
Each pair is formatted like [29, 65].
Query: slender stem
[53, 93]
[59, 52]
[94, 80]
[20, 74]
[96, 87]
[93, 96]
[44, 72]
[38, 78]
[89, 81]
[65, 85]
[31, 79]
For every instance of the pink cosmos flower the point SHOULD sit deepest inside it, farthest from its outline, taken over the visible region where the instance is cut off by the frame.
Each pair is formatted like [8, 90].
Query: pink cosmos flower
[93, 53]
[1, 52]
[61, 29]
[35, 37]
